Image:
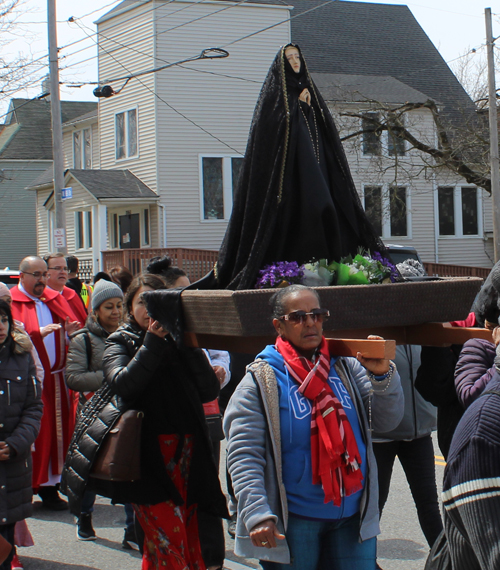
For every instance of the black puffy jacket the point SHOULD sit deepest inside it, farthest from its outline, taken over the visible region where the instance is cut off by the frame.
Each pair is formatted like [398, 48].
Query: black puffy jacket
[151, 374]
[21, 410]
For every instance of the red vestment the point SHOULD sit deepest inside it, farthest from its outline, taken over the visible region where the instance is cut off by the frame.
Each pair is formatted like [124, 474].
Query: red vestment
[58, 420]
[76, 303]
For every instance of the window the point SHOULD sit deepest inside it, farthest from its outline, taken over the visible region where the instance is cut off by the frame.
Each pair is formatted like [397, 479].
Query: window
[219, 179]
[397, 197]
[82, 152]
[126, 134]
[395, 145]
[446, 205]
[373, 207]
[458, 211]
[387, 209]
[83, 230]
[371, 137]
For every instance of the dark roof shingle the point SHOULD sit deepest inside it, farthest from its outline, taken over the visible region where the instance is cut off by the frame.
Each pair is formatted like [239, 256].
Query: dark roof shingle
[104, 184]
[374, 39]
[33, 140]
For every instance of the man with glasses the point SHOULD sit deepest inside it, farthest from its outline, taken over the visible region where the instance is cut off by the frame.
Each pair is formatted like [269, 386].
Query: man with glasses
[49, 320]
[57, 276]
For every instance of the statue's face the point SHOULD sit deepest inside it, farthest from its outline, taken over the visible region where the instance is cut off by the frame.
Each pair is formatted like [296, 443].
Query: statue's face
[293, 56]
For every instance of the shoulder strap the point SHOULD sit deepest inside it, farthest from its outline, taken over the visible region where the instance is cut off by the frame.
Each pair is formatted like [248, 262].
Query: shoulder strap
[88, 347]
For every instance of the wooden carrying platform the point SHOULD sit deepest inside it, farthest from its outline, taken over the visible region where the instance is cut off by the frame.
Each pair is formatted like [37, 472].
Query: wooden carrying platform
[406, 313]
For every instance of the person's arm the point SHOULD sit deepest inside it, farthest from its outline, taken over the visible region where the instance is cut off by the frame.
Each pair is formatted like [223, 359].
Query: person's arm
[471, 500]
[221, 360]
[78, 376]
[475, 368]
[129, 375]
[26, 431]
[246, 429]
[386, 395]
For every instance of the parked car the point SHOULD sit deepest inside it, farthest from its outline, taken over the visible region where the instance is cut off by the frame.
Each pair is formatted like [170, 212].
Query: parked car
[10, 277]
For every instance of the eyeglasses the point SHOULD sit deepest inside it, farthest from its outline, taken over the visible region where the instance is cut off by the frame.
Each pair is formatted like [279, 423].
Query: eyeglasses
[300, 317]
[57, 268]
[37, 274]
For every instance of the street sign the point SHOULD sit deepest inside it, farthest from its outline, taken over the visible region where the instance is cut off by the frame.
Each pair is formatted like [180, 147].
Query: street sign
[67, 193]
[59, 238]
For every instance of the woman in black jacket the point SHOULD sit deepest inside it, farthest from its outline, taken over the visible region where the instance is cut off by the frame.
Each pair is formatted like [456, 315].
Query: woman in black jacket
[20, 414]
[178, 474]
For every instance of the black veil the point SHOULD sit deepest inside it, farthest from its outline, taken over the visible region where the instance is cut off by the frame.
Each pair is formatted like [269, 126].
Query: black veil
[295, 200]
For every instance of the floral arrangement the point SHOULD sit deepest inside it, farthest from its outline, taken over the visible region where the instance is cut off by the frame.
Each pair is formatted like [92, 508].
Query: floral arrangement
[362, 269]
[280, 274]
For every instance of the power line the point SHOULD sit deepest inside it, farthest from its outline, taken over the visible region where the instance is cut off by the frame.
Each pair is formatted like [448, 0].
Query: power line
[172, 107]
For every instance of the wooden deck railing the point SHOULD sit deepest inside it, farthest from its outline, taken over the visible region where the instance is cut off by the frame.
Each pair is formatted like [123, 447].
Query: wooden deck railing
[445, 270]
[195, 262]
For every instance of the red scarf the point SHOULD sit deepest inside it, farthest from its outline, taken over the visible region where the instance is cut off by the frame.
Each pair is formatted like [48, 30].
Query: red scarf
[334, 451]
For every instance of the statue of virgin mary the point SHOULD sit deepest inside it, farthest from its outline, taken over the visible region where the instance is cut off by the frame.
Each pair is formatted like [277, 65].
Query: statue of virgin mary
[295, 199]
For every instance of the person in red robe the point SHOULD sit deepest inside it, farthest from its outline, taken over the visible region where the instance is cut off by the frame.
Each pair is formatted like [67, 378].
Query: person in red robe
[48, 319]
[57, 277]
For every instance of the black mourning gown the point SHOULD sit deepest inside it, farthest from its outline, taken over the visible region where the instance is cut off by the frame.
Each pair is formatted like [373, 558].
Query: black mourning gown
[295, 200]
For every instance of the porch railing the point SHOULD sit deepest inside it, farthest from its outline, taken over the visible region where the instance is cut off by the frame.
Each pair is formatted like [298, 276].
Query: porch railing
[195, 262]
[446, 270]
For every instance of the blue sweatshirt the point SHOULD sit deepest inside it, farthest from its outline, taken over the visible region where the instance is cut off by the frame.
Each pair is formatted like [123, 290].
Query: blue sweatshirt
[304, 498]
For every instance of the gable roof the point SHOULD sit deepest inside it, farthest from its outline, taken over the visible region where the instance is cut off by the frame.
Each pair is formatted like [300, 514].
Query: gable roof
[130, 4]
[82, 118]
[103, 184]
[33, 137]
[359, 88]
[374, 39]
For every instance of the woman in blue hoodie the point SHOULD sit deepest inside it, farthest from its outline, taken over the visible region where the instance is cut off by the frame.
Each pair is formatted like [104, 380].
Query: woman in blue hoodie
[299, 446]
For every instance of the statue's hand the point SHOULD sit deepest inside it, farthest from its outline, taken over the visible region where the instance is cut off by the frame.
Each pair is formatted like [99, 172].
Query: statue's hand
[305, 96]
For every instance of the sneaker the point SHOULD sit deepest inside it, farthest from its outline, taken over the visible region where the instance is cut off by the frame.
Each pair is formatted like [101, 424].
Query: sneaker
[231, 526]
[129, 541]
[16, 564]
[84, 528]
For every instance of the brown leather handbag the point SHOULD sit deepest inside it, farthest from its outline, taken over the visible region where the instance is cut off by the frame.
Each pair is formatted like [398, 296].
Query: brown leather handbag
[119, 457]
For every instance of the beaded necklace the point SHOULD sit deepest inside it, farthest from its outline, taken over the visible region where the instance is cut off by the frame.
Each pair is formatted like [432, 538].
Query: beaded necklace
[315, 144]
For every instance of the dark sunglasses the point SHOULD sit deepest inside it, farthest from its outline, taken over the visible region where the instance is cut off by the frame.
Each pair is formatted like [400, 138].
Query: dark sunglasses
[300, 317]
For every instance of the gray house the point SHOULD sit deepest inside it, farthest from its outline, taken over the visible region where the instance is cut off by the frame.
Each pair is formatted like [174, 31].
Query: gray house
[25, 153]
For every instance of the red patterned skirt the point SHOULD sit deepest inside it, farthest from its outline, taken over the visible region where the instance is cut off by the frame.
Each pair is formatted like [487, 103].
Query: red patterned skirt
[171, 532]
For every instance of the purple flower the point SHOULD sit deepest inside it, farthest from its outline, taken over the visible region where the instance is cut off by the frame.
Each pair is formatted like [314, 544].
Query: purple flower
[274, 274]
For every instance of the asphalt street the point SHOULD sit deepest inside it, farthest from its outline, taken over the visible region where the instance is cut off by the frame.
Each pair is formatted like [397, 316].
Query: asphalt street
[401, 545]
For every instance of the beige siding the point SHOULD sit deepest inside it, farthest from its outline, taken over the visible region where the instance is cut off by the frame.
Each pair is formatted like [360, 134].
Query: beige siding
[133, 29]
[223, 106]
[42, 224]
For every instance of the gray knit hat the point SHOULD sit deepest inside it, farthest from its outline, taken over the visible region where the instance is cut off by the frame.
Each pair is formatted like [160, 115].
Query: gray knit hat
[104, 290]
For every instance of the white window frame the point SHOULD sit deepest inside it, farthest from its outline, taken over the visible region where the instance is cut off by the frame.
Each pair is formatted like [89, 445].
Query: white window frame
[457, 208]
[82, 148]
[87, 229]
[227, 185]
[386, 211]
[126, 112]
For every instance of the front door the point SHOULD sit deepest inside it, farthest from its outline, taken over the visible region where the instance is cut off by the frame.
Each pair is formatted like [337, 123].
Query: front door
[130, 235]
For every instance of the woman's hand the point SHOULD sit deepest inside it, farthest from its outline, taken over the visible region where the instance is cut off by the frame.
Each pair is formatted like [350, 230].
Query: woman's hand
[157, 329]
[220, 373]
[496, 336]
[4, 451]
[305, 96]
[265, 534]
[377, 366]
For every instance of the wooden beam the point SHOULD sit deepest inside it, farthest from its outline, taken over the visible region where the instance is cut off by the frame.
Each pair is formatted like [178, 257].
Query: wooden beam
[347, 342]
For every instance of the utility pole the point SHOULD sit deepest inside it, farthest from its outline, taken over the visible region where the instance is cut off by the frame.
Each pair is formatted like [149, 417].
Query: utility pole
[494, 161]
[59, 236]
